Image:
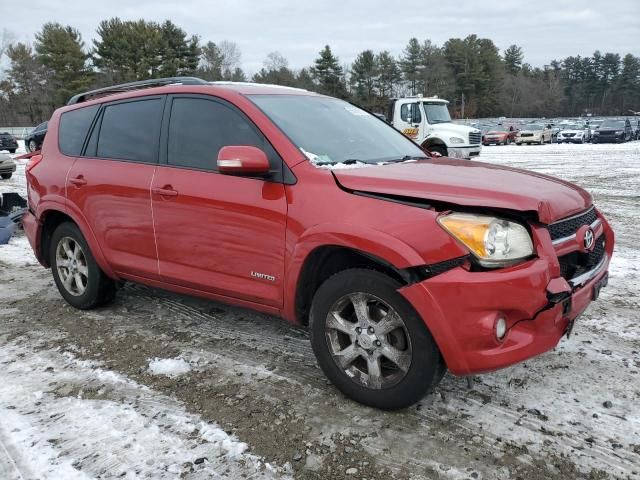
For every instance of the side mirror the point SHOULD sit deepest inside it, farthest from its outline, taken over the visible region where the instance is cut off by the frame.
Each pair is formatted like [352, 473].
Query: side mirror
[243, 160]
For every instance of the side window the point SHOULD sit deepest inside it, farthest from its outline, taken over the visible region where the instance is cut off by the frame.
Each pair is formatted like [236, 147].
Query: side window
[73, 129]
[410, 113]
[130, 131]
[199, 128]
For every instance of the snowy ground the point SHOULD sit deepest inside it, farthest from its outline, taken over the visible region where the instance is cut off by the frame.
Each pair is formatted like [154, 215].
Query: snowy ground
[163, 386]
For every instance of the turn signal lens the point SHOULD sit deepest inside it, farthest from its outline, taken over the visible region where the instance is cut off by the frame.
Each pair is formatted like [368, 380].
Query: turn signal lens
[495, 242]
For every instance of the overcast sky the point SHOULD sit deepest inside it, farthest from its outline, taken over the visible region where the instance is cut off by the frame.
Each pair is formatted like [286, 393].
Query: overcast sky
[300, 28]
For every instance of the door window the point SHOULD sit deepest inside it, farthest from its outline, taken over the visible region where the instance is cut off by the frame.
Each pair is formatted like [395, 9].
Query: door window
[410, 113]
[199, 128]
[131, 130]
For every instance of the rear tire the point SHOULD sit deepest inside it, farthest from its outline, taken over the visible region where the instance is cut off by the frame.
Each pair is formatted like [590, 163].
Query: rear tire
[392, 361]
[13, 150]
[6, 176]
[32, 146]
[78, 277]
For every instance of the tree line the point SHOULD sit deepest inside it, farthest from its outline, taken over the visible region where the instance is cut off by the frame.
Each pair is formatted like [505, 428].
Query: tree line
[478, 79]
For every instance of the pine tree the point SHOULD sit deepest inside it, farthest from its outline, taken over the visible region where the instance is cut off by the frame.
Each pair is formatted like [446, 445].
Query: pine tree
[59, 49]
[328, 74]
[410, 63]
[210, 67]
[389, 75]
[513, 58]
[364, 74]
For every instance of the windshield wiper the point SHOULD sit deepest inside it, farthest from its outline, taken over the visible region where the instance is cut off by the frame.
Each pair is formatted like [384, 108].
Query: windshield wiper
[406, 158]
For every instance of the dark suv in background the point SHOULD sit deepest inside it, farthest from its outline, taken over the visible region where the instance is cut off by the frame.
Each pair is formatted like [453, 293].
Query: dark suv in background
[8, 142]
[33, 141]
[613, 131]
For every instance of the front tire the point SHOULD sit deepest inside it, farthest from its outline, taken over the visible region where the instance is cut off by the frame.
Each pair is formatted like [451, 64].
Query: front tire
[442, 150]
[32, 146]
[78, 277]
[6, 176]
[371, 343]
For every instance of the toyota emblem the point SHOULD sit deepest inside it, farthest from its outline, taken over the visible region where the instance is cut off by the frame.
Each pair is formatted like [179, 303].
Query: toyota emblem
[588, 239]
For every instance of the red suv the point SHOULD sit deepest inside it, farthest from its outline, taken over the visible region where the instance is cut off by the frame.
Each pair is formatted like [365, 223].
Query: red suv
[304, 206]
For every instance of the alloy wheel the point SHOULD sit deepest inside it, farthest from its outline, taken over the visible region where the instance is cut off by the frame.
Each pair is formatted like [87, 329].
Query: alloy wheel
[71, 264]
[368, 340]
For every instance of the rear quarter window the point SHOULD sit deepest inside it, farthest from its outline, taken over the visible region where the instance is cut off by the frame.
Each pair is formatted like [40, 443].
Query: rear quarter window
[74, 126]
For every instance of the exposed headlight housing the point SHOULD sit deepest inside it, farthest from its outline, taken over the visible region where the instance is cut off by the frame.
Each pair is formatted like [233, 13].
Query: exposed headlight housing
[456, 140]
[495, 242]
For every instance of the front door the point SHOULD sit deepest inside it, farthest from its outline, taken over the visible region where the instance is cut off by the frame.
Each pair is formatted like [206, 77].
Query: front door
[217, 233]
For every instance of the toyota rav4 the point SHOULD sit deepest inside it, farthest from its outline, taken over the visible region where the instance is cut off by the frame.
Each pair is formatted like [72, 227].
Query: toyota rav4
[402, 265]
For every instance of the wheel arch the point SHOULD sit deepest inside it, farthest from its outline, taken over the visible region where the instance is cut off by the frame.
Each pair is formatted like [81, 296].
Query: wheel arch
[51, 218]
[319, 255]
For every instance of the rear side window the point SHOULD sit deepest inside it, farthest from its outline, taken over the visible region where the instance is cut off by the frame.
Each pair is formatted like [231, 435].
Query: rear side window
[74, 126]
[130, 131]
[199, 128]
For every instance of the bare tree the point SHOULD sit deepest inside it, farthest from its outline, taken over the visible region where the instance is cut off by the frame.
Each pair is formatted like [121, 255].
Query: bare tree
[231, 56]
[275, 61]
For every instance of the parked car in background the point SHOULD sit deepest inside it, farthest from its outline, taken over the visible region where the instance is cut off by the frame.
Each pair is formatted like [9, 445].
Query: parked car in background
[576, 133]
[8, 142]
[534, 133]
[7, 166]
[500, 135]
[402, 265]
[635, 127]
[33, 141]
[613, 131]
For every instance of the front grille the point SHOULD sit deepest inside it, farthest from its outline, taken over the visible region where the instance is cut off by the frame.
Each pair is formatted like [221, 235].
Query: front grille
[568, 134]
[526, 134]
[577, 263]
[566, 228]
[475, 138]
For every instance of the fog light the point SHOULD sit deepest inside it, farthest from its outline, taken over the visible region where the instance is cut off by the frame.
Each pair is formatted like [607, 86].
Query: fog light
[501, 328]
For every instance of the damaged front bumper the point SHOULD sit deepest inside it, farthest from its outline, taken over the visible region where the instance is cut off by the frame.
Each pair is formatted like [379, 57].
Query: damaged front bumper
[461, 309]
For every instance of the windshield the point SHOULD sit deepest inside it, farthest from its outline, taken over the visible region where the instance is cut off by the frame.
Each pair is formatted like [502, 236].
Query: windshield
[613, 124]
[572, 127]
[330, 131]
[436, 112]
[534, 127]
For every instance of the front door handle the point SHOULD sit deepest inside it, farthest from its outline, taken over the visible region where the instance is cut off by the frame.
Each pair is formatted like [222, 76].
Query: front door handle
[166, 191]
[78, 181]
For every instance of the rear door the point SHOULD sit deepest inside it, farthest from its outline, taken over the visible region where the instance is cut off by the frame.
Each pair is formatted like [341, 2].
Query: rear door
[109, 185]
[217, 233]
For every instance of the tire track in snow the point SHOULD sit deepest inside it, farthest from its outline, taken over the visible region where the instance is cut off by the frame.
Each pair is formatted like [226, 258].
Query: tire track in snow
[622, 460]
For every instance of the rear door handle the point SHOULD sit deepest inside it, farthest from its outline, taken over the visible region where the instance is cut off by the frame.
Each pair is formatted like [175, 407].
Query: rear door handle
[167, 191]
[78, 181]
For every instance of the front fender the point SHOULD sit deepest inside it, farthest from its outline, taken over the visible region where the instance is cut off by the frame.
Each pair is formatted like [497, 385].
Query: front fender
[378, 244]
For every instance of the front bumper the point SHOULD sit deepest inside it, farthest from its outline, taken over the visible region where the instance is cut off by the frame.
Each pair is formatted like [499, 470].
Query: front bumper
[528, 140]
[460, 308]
[465, 152]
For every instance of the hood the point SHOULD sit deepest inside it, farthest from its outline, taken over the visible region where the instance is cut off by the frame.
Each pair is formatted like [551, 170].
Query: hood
[454, 128]
[497, 132]
[524, 130]
[471, 184]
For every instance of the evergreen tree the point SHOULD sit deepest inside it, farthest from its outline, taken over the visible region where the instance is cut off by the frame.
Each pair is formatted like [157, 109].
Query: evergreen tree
[364, 74]
[60, 51]
[513, 58]
[211, 59]
[328, 74]
[410, 63]
[389, 75]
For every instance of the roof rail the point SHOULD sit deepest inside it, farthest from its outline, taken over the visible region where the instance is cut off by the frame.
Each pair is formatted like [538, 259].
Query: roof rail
[125, 87]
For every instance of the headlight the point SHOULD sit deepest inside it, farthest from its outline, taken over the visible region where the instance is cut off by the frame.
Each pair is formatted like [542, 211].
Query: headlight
[619, 132]
[456, 140]
[495, 242]
[596, 133]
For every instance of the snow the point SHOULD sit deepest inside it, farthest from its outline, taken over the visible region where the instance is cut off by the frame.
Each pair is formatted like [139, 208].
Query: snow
[71, 419]
[171, 367]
